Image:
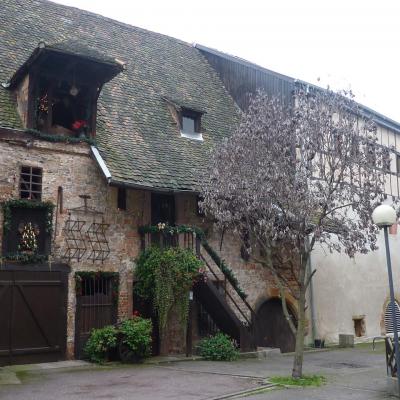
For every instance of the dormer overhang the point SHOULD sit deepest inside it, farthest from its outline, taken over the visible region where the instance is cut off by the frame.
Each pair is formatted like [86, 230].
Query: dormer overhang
[69, 55]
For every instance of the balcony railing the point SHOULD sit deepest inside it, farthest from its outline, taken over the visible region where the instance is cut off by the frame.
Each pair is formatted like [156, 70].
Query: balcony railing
[162, 239]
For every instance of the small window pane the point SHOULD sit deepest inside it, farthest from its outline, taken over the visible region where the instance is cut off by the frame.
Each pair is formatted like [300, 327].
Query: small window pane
[30, 183]
[121, 199]
[188, 124]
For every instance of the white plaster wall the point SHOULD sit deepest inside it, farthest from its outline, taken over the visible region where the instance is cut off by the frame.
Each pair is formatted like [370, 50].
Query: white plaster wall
[345, 287]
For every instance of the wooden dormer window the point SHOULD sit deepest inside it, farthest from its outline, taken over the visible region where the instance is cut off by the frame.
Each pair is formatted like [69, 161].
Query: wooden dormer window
[64, 107]
[191, 124]
[188, 120]
[58, 87]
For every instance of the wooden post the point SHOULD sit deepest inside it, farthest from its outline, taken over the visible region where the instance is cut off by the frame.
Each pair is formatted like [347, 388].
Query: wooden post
[189, 333]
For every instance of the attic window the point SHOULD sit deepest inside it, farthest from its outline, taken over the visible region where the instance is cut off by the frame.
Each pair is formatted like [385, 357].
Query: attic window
[58, 86]
[191, 124]
[63, 107]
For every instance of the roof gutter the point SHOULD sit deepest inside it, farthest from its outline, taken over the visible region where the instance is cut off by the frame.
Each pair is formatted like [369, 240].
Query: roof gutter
[101, 163]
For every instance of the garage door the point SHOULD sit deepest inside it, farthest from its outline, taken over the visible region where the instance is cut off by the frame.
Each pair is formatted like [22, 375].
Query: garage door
[33, 316]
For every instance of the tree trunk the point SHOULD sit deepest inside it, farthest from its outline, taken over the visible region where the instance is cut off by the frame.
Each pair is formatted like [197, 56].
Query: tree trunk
[297, 371]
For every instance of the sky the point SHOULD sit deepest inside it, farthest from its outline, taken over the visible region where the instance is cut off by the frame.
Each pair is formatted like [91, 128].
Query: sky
[346, 44]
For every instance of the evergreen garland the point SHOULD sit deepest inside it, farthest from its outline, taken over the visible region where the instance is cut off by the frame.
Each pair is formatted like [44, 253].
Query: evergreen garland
[59, 138]
[25, 258]
[24, 203]
[114, 276]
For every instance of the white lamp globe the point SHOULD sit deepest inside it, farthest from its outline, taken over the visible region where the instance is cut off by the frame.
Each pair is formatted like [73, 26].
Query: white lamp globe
[384, 215]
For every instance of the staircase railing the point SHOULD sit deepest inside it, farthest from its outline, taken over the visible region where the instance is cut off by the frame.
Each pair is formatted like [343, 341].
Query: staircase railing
[193, 239]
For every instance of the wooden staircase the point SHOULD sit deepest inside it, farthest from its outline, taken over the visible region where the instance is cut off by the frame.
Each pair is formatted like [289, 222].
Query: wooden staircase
[230, 312]
[219, 296]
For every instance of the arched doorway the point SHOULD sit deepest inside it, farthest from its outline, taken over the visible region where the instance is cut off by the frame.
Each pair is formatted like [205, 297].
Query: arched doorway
[272, 328]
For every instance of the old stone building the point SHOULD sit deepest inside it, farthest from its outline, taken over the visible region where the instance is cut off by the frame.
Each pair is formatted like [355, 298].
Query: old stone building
[105, 130]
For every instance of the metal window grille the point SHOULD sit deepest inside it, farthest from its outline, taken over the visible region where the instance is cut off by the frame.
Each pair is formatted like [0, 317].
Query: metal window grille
[388, 317]
[30, 185]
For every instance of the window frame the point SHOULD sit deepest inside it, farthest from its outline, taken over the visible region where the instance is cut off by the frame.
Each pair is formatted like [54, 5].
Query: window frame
[196, 117]
[122, 199]
[37, 193]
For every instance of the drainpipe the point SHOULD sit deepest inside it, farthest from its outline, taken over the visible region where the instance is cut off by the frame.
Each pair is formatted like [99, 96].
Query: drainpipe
[314, 332]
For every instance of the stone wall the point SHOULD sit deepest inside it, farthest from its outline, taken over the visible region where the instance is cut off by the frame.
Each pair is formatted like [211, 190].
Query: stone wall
[72, 167]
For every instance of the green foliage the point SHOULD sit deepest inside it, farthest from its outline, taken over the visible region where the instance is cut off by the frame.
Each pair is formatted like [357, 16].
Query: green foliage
[219, 347]
[225, 269]
[136, 333]
[100, 342]
[305, 380]
[23, 203]
[59, 138]
[80, 275]
[165, 276]
[25, 258]
[173, 230]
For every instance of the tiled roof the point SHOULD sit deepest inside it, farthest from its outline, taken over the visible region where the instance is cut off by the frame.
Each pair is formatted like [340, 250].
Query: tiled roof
[136, 133]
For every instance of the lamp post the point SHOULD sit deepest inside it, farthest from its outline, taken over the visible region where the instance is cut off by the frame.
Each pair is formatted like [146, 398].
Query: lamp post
[384, 216]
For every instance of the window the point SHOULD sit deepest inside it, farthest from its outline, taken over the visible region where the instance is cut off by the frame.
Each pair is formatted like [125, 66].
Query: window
[359, 326]
[398, 164]
[200, 211]
[63, 107]
[30, 185]
[388, 317]
[121, 200]
[190, 124]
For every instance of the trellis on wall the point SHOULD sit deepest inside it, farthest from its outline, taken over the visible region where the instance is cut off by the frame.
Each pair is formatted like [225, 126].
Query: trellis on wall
[85, 234]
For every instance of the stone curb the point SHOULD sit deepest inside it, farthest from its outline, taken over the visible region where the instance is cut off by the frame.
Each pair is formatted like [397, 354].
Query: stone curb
[245, 393]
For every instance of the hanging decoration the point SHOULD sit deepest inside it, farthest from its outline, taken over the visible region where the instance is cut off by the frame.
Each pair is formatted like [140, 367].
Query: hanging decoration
[28, 243]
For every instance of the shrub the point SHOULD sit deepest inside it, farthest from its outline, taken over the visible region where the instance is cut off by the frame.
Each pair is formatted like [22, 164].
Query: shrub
[100, 342]
[136, 335]
[132, 337]
[218, 348]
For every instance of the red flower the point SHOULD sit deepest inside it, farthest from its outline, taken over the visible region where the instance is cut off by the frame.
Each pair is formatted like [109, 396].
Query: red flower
[78, 124]
[136, 313]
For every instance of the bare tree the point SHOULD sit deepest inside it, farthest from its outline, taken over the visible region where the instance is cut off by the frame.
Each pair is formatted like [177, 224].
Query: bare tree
[293, 177]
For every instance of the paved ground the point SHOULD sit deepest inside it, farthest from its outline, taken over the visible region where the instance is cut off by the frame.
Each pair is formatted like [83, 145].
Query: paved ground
[352, 374]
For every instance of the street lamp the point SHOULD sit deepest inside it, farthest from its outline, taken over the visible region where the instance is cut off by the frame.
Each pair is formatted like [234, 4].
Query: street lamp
[385, 216]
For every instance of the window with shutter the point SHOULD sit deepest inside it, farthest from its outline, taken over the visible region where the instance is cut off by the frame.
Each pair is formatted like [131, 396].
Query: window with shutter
[388, 317]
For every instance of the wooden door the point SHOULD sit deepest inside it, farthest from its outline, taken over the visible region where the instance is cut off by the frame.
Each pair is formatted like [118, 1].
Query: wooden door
[272, 328]
[33, 316]
[96, 307]
[162, 209]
